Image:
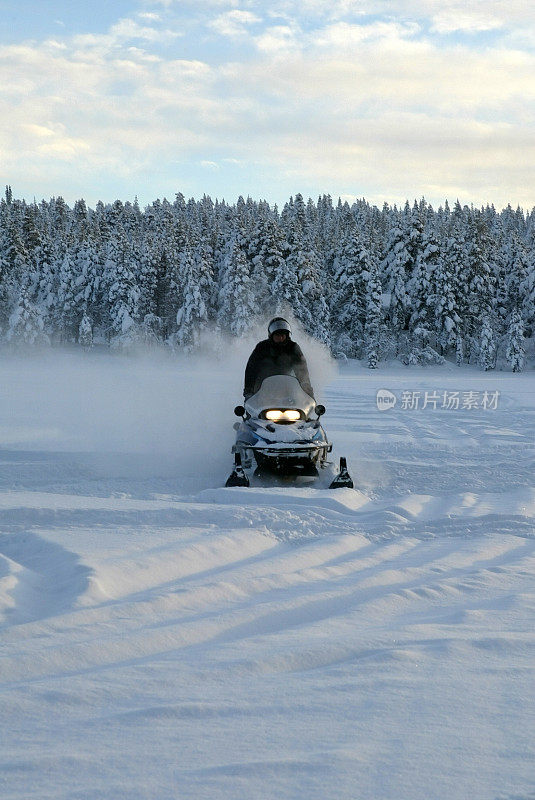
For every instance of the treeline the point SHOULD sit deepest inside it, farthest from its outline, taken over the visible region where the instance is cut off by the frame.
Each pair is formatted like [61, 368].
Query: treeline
[414, 283]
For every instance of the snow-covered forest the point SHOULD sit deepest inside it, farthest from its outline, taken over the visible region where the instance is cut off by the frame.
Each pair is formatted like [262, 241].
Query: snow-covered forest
[415, 283]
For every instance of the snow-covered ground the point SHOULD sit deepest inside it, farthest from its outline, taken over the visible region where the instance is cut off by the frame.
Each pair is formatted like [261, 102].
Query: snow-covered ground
[163, 637]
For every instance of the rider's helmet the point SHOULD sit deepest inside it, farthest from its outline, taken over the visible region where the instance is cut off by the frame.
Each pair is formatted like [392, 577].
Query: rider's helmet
[279, 324]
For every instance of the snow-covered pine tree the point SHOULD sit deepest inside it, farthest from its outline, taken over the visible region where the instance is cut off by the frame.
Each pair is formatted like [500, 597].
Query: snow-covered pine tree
[476, 278]
[313, 312]
[325, 229]
[527, 288]
[150, 333]
[372, 334]
[192, 316]
[123, 294]
[26, 324]
[32, 244]
[412, 224]
[487, 345]
[397, 270]
[285, 289]
[459, 350]
[420, 288]
[445, 287]
[147, 278]
[85, 332]
[267, 264]
[170, 277]
[204, 258]
[13, 258]
[61, 220]
[5, 277]
[81, 220]
[305, 297]
[236, 299]
[66, 314]
[517, 269]
[47, 268]
[348, 299]
[515, 352]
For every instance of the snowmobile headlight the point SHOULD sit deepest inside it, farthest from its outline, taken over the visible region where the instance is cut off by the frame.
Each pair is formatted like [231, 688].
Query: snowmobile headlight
[283, 415]
[274, 414]
[291, 415]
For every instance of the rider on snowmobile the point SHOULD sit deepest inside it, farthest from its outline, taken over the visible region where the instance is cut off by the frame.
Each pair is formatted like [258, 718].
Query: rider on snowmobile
[277, 355]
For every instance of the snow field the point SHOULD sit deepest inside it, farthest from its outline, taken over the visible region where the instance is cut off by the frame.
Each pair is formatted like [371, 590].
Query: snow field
[163, 637]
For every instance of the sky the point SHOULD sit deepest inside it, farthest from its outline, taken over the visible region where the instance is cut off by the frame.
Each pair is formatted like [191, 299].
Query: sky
[387, 100]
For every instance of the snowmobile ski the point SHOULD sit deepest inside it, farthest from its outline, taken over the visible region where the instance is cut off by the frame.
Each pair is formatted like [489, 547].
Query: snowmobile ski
[343, 479]
[237, 477]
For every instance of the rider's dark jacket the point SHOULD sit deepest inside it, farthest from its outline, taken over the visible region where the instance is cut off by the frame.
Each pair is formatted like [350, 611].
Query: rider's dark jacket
[269, 359]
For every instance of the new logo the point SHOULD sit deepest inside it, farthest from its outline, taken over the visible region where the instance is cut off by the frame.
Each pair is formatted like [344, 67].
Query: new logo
[385, 400]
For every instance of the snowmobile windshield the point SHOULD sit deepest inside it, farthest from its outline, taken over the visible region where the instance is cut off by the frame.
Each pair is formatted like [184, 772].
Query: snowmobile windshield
[280, 392]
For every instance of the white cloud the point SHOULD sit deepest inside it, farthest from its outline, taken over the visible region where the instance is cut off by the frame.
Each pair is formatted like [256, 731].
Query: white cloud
[196, 4]
[279, 39]
[149, 16]
[53, 43]
[128, 29]
[481, 16]
[66, 148]
[355, 109]
[444, 16]
[470, 21]
[40, 131]
[344, 35]
[68, 106]
[234, 23]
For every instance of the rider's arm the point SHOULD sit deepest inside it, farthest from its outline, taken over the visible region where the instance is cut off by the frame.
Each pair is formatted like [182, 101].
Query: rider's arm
[301, 371]
[251, 371]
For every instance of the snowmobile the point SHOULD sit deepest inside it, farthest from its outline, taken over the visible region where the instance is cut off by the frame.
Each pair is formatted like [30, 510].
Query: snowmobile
[281, 431]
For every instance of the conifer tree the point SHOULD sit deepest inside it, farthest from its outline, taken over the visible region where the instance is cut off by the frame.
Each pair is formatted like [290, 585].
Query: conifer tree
[527, 291]
[487, 346]
[192, 316]
[236, 295]
[26, 324]
[89, 288]
[517, 269]
[515, 352]
[268, 265]
[397, 271]
[65, 310]
[459, 350]
[123, 294]
[373, 317]
[445, 288]
[85, 332]
[348, 300]
[312, 311]
[421, 285]
[476, 277]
